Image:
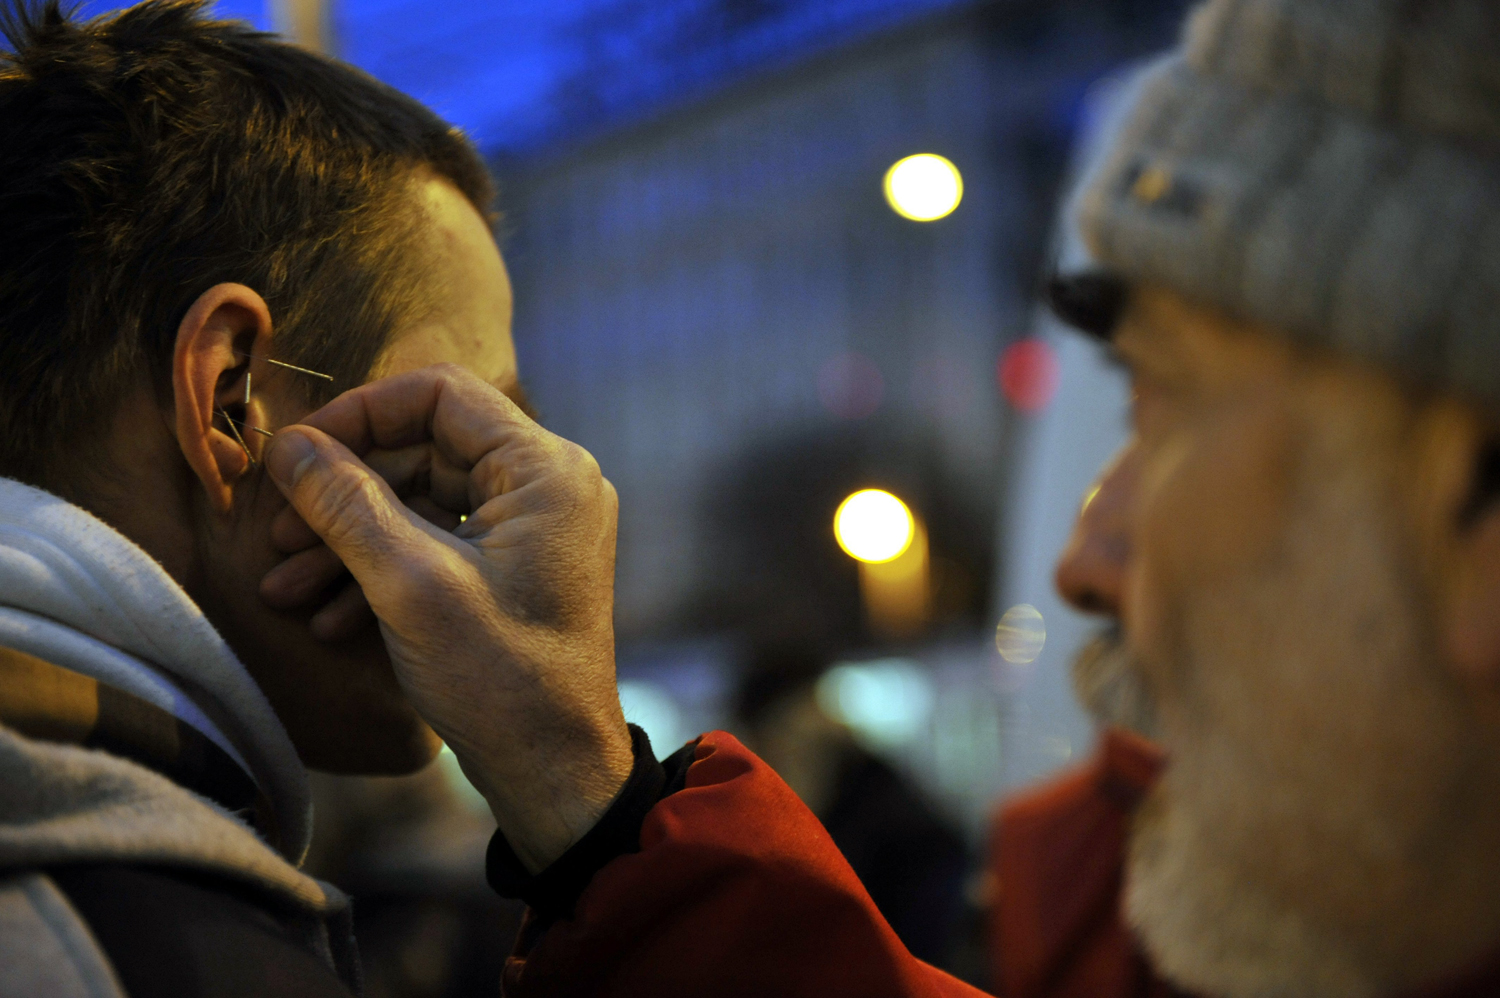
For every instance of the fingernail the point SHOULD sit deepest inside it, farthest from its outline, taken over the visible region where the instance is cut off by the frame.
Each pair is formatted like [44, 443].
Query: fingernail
[288, 457]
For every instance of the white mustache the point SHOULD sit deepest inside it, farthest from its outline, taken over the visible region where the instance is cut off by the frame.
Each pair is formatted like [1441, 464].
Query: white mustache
[1111, 686]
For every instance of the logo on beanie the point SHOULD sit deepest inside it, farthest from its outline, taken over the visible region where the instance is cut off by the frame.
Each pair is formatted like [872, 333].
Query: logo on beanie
[1158, 186]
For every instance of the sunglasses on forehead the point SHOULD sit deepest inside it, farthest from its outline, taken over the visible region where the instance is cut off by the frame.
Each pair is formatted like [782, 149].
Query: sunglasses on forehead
[1088, 300]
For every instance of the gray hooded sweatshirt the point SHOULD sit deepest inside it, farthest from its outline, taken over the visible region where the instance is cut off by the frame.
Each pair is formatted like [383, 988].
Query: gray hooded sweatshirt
[77, 594]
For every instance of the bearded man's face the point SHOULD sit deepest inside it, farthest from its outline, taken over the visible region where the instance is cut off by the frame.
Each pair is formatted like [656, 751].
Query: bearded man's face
[1285, 547]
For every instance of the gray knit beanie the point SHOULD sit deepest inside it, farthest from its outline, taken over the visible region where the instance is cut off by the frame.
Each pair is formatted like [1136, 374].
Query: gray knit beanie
[1327, 167]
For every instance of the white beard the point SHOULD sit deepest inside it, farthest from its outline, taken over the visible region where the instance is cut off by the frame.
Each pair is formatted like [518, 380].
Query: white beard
[1210, 930]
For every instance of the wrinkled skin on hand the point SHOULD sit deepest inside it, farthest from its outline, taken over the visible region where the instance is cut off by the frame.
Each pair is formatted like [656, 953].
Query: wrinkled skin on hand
[499, 627]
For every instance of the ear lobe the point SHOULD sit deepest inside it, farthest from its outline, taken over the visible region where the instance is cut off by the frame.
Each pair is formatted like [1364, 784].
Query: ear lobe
[222, 330]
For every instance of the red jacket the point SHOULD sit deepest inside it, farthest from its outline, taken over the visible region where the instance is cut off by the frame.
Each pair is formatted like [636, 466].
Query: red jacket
[737, 890]
[1058, 856]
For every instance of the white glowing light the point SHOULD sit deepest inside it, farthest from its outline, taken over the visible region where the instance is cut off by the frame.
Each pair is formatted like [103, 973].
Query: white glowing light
[653, 708]
[1021, 635]
[886, 702]
[873, 526]
[924, 187]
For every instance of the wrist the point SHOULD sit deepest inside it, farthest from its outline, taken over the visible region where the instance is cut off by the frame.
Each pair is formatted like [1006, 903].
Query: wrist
[555, 891]
[563, 796]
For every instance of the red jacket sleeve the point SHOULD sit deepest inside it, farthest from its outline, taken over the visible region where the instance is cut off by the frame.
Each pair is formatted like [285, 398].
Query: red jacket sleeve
[737, 890]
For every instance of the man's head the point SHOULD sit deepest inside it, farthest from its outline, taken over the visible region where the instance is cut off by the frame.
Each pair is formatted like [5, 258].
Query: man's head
[1306, 566]
[1301, 542]
[185, 200]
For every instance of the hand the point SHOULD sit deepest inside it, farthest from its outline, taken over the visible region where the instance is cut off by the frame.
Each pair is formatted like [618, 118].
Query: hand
[500, 630]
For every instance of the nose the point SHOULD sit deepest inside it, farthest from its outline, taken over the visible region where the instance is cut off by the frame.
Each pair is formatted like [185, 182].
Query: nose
[1091, 571]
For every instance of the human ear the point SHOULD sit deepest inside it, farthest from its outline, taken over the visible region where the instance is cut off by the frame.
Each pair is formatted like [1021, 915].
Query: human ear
[222, 330]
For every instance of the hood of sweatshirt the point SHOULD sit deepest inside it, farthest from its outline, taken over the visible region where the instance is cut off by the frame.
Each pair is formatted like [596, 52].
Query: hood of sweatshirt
[77, 593]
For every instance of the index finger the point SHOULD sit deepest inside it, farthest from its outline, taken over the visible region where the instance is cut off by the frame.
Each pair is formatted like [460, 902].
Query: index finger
[463, 416]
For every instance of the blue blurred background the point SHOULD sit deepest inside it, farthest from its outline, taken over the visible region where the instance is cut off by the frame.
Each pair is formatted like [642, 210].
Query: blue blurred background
[715, 297]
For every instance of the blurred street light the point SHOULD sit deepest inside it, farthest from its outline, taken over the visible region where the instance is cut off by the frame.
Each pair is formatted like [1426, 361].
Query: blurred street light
[1029, 373]
[897, 594]
[873, 526]
[924, 187]
[895, 578]
[886, 702]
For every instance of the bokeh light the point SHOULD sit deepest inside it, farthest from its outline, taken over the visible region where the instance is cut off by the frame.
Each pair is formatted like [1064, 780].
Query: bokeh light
[873, 526]
[1021, 634]
[653, 708]
[1028, 373]
[885, 702]
[924, 187]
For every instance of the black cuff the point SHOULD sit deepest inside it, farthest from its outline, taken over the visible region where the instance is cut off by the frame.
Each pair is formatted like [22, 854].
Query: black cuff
[553, 892]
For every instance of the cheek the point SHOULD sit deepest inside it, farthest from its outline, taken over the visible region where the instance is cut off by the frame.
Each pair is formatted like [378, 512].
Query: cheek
[1213, 504]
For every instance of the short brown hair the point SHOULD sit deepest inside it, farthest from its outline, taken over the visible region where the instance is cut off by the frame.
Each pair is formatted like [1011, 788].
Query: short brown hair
[149, 155]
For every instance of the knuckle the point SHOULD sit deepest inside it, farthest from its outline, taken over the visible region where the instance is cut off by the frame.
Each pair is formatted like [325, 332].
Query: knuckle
[449, 371]
[579, 482]
[581, 464]
[584, 458]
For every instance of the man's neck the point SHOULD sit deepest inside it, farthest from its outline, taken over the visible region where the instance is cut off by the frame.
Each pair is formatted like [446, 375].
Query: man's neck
[139, 458]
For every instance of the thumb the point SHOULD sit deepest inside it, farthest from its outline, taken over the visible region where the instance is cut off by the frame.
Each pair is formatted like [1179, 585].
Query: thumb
[350, 507]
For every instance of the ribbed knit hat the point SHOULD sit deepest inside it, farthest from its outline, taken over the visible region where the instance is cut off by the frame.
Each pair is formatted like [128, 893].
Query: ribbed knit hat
[1330, 168]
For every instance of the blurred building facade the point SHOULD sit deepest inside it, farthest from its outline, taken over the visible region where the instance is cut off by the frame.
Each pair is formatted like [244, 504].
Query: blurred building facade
[681, 290]
[720, 305]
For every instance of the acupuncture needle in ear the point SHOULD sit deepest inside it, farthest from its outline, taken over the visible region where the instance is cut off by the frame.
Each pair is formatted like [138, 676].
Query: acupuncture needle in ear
[289, 367]
[247, 387]
[299, 370]
[237, 437]
[248, 426]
